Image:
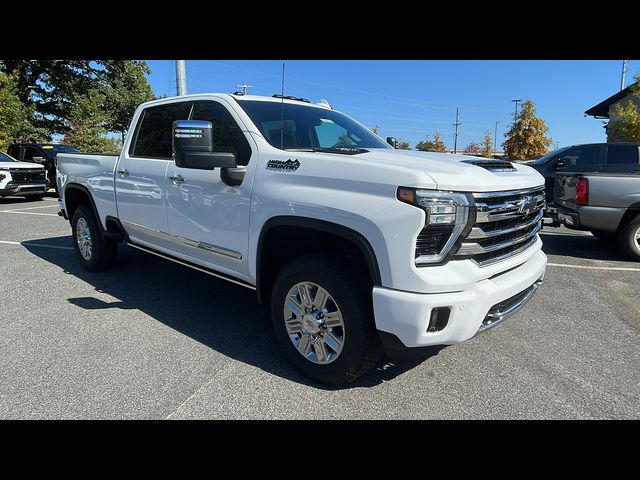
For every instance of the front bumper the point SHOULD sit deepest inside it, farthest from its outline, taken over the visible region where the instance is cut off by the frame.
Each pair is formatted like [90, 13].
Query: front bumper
[23, 189]
[406, 315]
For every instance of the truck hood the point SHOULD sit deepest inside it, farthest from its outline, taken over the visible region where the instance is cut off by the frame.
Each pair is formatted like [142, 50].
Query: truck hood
[19, 165]
[450, 172]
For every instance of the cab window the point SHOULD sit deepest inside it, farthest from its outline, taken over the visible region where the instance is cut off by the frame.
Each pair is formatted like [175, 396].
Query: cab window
[153, 136]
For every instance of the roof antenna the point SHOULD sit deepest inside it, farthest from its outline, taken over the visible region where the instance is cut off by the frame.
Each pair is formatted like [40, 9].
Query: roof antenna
[282, 125]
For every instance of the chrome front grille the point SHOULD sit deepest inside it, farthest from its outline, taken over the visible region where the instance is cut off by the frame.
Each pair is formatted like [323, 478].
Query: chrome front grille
[27, 175]
[506, 224]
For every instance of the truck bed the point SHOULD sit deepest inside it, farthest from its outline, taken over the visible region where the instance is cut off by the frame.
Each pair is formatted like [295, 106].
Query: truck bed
[94, 171]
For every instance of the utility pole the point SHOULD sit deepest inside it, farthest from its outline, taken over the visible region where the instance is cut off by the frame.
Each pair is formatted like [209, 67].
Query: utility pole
[455, 141]
[515, 117]
[624, 70]
[181, 77]
[495, 139]
[244, 88]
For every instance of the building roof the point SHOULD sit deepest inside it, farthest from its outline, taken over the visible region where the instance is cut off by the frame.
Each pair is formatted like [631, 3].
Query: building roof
[602, 109]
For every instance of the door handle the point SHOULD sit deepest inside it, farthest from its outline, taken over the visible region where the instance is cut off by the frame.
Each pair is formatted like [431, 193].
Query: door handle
[177, 180]
[124, 173]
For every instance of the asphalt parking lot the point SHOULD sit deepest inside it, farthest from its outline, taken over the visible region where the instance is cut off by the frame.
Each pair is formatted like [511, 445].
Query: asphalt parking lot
[152, 339]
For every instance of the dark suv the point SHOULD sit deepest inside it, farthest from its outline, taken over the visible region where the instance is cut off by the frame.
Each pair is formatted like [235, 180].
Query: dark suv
[619, 157]
[43, 153]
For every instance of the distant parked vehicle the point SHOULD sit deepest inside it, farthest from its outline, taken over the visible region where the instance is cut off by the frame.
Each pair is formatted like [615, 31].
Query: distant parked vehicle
[593, 157]
[21, 178]
[43, 153]
[604, 198]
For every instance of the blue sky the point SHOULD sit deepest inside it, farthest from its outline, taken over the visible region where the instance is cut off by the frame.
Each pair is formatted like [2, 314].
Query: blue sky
[412, 99]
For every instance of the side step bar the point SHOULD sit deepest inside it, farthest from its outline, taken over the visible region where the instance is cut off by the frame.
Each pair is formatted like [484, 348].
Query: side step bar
[220, 275]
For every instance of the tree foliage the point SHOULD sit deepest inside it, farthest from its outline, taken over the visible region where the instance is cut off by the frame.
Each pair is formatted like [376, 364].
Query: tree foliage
[51, 87]
[624, 125]
[435, 145]
[472, 149]
[15, 118]
[87, 125]
[527, 137]
[487, 145]
[404, 145]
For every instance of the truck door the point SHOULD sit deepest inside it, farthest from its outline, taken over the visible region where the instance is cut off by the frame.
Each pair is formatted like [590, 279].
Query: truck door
[208, 210]
[140, 176]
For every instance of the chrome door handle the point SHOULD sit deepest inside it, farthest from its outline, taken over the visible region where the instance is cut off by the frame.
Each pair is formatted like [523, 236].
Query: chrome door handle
[123, 173]
[177, 179]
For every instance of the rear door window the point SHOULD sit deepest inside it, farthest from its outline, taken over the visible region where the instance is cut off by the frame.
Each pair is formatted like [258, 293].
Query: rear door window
[153, 137]
[622, 155]
[30, 152]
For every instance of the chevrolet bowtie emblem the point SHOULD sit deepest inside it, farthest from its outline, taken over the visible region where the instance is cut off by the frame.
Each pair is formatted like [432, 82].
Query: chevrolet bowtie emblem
[526, 205]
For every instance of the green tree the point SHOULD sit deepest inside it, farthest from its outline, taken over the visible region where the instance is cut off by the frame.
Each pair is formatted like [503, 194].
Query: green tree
[50, 88]
[527, 137]
[472, 149]
[404, 145]
[624, 125]
[425, 146]
[487, 145]
[87, 125]
[15, 118]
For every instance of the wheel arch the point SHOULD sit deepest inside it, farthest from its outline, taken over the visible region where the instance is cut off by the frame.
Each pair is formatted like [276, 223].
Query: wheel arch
[267, 266]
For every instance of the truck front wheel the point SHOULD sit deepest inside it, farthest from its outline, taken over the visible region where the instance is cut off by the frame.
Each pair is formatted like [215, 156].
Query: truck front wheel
[629, 238]
[323, 318]
[94, 251]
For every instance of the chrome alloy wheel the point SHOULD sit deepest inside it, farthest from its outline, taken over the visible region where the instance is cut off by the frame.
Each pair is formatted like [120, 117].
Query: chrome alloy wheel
[83, 237]
[314, 323]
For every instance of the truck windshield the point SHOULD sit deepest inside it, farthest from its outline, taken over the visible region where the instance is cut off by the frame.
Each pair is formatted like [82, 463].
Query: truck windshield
[308, 127]
[6, 158]
[550, 155]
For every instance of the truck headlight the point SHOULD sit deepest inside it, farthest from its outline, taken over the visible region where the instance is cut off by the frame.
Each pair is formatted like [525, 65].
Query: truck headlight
[447, 216]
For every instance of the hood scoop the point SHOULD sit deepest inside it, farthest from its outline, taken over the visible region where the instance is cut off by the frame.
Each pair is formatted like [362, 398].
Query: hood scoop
[492, 165]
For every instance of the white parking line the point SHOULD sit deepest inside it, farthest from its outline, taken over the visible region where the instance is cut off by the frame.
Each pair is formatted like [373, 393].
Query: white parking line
[624, 269]
[31, 244]
[30, 208]
[30, 213]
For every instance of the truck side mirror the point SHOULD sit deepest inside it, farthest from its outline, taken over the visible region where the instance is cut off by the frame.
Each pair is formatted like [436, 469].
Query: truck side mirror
[392, 141]
[38, 159]
[192, 142]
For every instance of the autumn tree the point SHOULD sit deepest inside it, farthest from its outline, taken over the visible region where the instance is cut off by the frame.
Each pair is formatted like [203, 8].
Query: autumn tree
[527, 137]
[15, 118]
[87, 125]
[472, 149]
[487, 145]
[624, 125]
[404, 145]
[435, 145]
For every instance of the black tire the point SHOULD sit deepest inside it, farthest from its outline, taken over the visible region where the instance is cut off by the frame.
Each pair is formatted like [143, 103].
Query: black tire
[603, 236]
[104, 252]
[34, 198]
[361, 348]
[628, 240]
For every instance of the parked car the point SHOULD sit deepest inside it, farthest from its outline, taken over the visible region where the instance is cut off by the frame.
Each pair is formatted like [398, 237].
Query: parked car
[356, 246]
[605, 202]
[21, 178]
[43, 153]
[592, 157]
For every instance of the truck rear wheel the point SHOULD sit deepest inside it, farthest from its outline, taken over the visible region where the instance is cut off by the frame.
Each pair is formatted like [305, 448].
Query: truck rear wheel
[95, 252]
[629, 238]
[323, 318]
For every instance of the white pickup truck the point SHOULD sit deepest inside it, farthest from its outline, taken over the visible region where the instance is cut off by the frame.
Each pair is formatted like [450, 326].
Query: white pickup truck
[357, 247]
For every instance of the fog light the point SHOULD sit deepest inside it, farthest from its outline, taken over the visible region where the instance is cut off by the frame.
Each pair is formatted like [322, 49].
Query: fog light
[439, 319]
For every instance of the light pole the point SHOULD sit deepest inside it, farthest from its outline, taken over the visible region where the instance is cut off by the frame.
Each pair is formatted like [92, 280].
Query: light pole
[455, 141]
[495, 139]
[515, 117]
[181, 77]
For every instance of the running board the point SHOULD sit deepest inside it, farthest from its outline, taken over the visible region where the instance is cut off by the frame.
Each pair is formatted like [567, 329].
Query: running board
[220, 275]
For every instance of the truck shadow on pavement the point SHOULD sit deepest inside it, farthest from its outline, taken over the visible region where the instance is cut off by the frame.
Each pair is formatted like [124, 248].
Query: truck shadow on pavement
[569, 244]
[220, 315]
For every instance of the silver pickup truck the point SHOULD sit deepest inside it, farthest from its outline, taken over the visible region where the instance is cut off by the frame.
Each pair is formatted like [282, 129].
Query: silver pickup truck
[607, 204]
